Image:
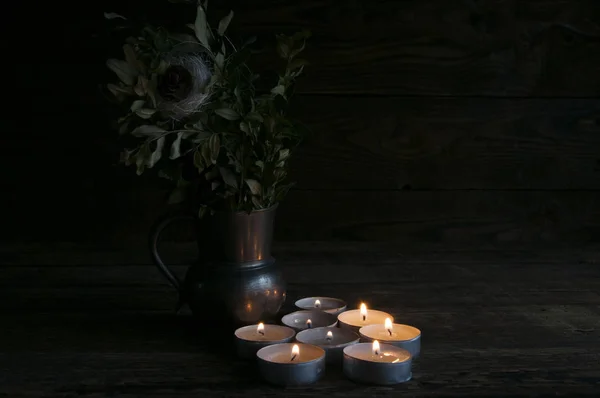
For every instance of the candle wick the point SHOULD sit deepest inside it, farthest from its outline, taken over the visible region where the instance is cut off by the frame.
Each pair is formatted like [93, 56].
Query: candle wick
[364, 318]
[293, 357]
[390, 331]
[376, 352]
[261, 333]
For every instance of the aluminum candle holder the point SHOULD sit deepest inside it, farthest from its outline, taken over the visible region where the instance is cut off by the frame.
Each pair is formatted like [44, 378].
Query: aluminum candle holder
[327, 304]
[291, 364]
[250, 339]
[380, 364]
[402, 336]
[356, 319]
[301, 320]
[333, 340]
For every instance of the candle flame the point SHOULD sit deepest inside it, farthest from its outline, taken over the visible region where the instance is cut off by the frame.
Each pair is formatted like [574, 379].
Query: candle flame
[260, 329]
[363, 311]
[376, 347]
[329, 335]
[317, 303]
[295, 351]
[389, 326]
[309, 324]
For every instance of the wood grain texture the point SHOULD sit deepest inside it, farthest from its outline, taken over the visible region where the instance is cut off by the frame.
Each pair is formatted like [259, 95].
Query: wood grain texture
[447, 218]
[511, 323]
[408, 47]
[438, 47]
[463, 218]
[448, 143]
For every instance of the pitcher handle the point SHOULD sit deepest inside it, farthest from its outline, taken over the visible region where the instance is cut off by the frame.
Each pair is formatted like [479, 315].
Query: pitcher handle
[155, 232]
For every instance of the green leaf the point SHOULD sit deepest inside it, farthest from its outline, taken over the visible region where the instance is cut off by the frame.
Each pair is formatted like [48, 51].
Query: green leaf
[279, 90]
[227, 113]
[141, 88]
[224, 23]
[141, 158]
[284, 154]
[283, 46]
[244, 127]
[117, 90]
[130, 56]
[157, 153]
[198, 161]
[201, 27]
[257, 117]
[220, 60]
[137, 104]
[202, 211]
[254, 186]
[229, 177]
[206, 155]
[145, 113]
[257, 202]
[214, 143]
[176, 147]
[123, 70]
[178, 195]
[113, 15]
[148, 130]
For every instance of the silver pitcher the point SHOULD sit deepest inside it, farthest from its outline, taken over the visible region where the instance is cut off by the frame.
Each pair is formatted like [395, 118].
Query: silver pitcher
[235, 279]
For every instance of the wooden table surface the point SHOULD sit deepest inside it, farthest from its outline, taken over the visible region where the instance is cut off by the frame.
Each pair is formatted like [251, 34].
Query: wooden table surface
[97, 322]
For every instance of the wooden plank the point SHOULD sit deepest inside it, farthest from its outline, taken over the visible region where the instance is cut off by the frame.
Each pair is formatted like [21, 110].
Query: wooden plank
[25, 256]
[416, 47]
[448, 143]
[506, 373]
[496, 327]
[487, 218]
[409, 218]
[426, 143]
[510, 325]
[507, 282]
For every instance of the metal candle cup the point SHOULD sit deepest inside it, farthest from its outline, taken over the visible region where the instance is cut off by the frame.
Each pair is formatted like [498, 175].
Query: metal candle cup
[389, 365]
[327, 304]
[299, 320]
[402, 336]
[280, 365]
[250, 339]
[333, 340]
[356, 319]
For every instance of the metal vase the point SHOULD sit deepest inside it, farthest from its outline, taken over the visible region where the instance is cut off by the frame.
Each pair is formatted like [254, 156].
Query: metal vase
[235, 279]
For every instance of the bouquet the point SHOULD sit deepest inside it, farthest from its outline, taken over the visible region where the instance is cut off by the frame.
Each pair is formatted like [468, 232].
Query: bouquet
[194, 112]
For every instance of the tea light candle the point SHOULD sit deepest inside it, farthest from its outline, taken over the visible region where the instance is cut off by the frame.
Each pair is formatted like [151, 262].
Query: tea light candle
[301, 320]
[291, 364]
[327, 304]
[333, 340]
[375, 363]
[250, 339]
[402, 336]
[355, 319]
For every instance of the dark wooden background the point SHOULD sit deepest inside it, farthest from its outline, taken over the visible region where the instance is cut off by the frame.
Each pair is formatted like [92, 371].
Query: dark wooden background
[436, 122]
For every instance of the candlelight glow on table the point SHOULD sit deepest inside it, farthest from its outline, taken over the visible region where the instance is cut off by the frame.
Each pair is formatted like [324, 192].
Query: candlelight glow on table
[291, 364]
[375, 363]
[402, 336]
[333, 340]
[355, 319]
[249, 339]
